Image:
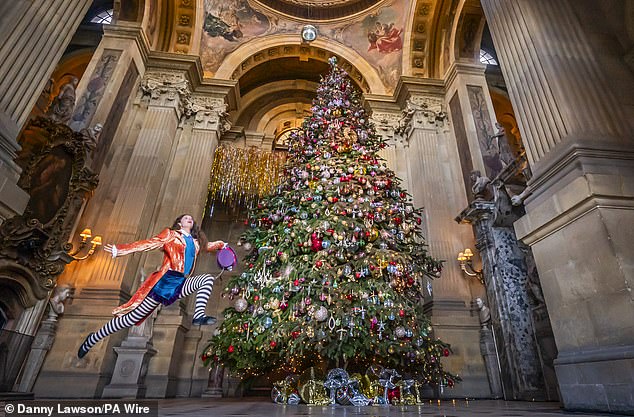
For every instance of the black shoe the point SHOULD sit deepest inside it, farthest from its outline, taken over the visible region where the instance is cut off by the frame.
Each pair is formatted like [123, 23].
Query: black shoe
[83, 349]
[205, 320]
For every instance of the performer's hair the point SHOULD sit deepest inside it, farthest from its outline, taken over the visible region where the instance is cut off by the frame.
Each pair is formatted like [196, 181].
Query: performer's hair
[196, 232]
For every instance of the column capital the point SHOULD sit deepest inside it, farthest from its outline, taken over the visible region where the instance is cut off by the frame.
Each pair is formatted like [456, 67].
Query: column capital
[209, 113]
[422, 112]
[167, 89]
[386, 123]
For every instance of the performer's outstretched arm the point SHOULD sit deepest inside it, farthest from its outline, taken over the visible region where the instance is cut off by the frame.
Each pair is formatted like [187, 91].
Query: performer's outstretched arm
[218, 244]
[140, 246]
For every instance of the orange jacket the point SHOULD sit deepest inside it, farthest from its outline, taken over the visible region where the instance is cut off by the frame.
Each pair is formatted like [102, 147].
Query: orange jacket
[173, 245]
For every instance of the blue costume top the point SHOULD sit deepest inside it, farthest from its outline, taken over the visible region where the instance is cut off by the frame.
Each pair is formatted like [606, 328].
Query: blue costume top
[190, 253]
[168, 288]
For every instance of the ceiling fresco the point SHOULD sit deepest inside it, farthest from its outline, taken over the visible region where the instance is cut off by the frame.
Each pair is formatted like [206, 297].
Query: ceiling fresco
[377, 34]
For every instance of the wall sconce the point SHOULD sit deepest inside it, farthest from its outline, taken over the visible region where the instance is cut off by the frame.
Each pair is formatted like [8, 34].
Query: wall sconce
[467, 266]
[85, 235]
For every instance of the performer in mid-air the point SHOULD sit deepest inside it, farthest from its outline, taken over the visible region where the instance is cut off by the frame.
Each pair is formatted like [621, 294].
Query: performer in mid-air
[173, 281]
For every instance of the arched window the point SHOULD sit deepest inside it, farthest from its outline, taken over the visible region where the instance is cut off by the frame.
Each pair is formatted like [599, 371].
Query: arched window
[103, 18]
[487, 58]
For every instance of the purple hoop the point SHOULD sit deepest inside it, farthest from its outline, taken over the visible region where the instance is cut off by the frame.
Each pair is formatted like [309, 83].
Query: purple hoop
[226, 258]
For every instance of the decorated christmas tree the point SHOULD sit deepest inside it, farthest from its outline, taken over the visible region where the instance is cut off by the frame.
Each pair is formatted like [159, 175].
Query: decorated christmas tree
[337, 264]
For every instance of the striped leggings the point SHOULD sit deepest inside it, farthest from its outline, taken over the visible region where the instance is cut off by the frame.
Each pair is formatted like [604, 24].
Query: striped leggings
[201, 283]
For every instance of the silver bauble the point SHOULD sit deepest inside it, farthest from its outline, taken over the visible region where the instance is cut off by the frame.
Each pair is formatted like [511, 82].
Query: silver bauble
[241, 304]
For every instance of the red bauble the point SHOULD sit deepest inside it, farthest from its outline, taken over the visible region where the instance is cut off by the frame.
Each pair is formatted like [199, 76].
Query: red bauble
[318, 264]
[256, 297]
[230, 349]
[204, 357]
[295, 334]
[273, 344]
[393, 394]
[401, 313]
[446, 352]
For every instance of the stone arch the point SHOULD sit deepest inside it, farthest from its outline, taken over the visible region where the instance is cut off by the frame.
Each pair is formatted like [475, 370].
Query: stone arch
[256, 51]
[468, 29]
[19, 289]
[262, 99]
[455, 33]
[266, 123]
[419, 40]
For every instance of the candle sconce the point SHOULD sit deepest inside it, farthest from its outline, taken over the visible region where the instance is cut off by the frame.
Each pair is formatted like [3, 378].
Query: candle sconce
[466, 264]
[86, 234]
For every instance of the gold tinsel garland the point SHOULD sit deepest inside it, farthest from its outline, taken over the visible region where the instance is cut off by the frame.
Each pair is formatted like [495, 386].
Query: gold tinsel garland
[241, 176]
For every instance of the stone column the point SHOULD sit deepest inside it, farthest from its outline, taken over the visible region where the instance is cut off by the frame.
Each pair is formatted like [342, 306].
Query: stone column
[425, 156]
[35, 35]
[569, 98]
[177, 363]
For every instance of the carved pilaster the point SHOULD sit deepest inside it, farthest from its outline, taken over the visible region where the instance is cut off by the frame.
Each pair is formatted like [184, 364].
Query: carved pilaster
[167, 89]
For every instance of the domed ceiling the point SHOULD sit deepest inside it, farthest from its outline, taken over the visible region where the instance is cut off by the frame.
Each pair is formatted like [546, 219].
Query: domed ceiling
[371, 29]
[319, 9]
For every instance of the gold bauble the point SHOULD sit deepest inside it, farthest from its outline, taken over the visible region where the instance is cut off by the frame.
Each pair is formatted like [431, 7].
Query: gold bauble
[310, 386]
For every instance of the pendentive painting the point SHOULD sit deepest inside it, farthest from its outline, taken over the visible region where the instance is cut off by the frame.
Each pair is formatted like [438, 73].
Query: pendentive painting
[378, 37]
[226, 25]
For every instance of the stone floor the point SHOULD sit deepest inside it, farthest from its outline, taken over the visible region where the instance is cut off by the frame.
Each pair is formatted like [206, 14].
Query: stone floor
[447, 408]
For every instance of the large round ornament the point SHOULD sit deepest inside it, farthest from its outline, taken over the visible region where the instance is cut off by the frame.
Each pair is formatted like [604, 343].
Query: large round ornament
[321, 314]
[241, 305]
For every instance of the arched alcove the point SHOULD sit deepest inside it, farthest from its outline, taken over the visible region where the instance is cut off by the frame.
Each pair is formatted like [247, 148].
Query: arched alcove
[257, 51]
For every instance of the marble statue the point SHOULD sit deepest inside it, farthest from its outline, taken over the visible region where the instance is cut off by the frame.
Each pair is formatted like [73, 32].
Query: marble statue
[56, 303]
[480, 186]
[61, 109]
[92, 136]
[485, 313]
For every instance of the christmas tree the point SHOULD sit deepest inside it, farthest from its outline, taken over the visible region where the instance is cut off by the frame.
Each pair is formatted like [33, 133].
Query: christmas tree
[337, 264]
